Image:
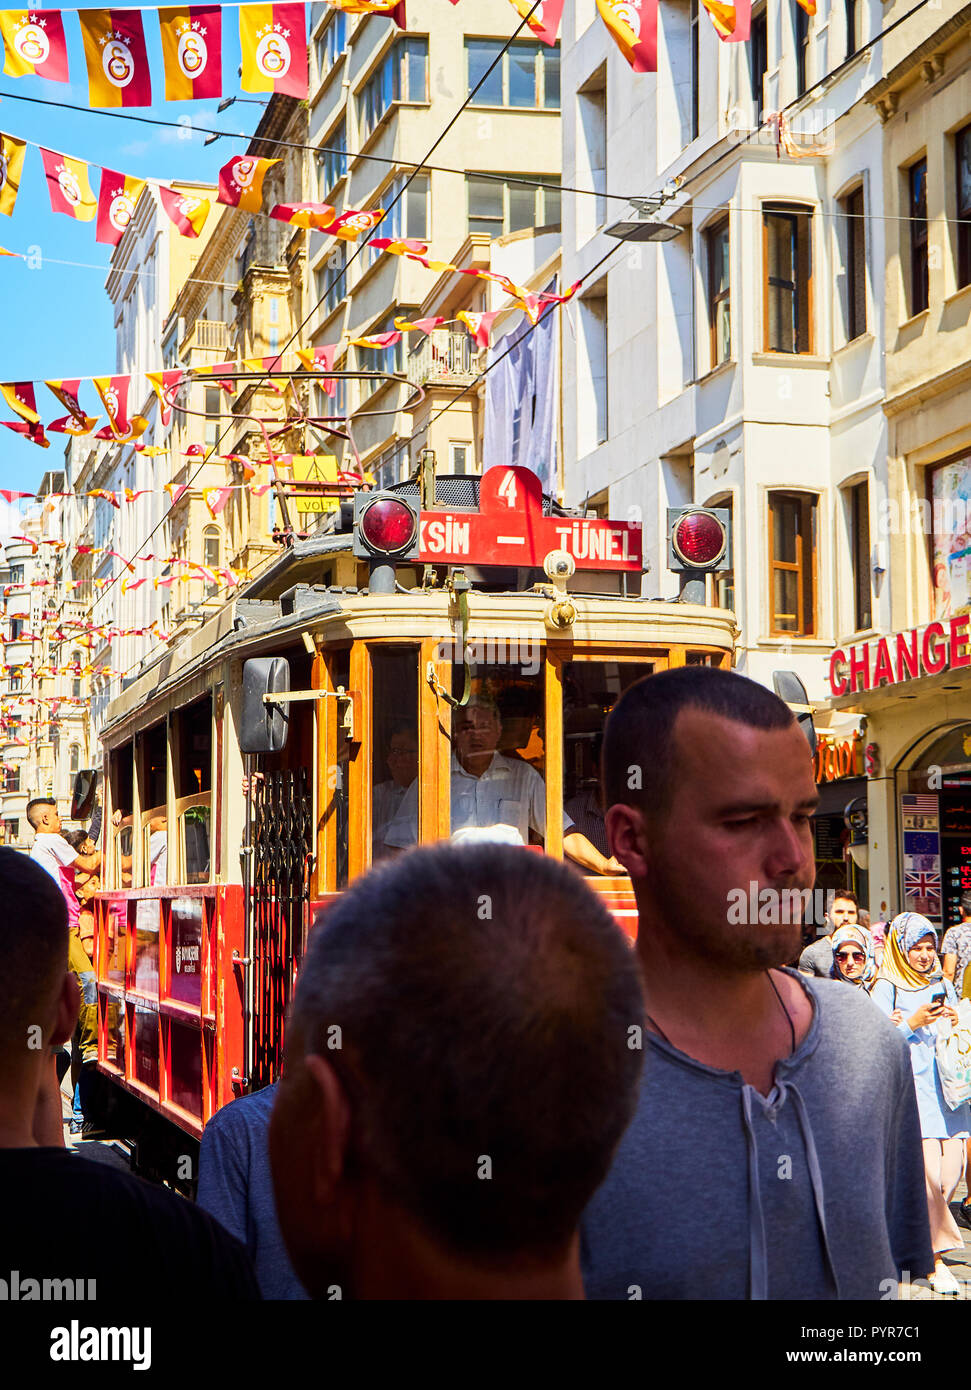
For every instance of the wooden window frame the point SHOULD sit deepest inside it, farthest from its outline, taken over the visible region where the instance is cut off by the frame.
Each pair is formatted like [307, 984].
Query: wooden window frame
[919, 268]
[712, 236]
[803, 566]
[963, 229]
[800, 43]
[853, 207]
[760, 23]
[860, 562]
[801, 216]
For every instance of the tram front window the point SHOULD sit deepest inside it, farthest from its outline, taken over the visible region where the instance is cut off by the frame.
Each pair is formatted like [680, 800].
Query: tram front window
[394, 738]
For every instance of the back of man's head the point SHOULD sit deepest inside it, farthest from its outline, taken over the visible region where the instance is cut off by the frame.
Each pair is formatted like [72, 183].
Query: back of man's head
[639, 745]
[485, 1001]
[37, 810]
[33, 949]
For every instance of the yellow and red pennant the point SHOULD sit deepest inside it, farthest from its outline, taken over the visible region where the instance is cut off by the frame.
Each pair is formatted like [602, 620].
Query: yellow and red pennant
[241, 182]
[114, 50]
[69, 186]
[733, 22]
[633, 26]
[192, 52]
[34, 44]
[116, 205]
[11, 170]
[273, 45]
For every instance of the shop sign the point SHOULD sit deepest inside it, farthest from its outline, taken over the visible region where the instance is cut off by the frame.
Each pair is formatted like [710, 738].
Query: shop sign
[838, 758]
[901, 657]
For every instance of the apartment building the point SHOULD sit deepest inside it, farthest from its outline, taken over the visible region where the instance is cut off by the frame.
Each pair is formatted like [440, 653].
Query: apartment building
[380, 99]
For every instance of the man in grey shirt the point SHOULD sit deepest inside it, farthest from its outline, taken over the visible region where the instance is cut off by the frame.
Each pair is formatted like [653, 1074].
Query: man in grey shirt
[776, 1148]
[817, 958]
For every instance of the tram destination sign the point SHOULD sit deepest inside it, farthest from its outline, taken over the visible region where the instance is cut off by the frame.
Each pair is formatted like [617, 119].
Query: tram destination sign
[510, 529]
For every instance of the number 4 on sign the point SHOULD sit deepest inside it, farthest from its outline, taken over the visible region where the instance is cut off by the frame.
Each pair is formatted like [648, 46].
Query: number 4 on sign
[507, 489]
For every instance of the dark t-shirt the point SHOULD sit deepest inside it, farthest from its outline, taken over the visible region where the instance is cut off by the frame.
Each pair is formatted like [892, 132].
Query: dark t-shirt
[67, 1218]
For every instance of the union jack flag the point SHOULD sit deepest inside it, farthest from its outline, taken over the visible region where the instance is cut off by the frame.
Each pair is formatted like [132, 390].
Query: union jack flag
[923, 886]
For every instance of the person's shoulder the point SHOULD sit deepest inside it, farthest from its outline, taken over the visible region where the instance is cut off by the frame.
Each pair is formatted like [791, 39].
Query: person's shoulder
[843, 1009]
[243, 1113]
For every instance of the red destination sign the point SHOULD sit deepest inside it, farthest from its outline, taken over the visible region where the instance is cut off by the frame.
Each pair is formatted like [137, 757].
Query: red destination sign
[510, 529]
[900, 657]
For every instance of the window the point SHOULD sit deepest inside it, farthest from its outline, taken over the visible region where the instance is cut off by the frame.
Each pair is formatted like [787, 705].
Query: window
[409, 215]
[786, 234]
[16, 574]
[402, 75]
[16, 628]
[329, 282]
[213, 413]
[12, 780]
[388, 360]
[500, 205]
[76, 660]
[950, 488]
[75, 759]
[14, 683]
[592, 422]
[792, 535]
[719, 293]
[695, 97]
[591, 213]
[917, 188]
[459, 457]
[387, 466]
[332, 161]
[758, 61]
[527, 77]
[331, 44]
[854, 226]
[859, 517]
[800, 24]
[210, 555]
[962, 149]
[854, 26]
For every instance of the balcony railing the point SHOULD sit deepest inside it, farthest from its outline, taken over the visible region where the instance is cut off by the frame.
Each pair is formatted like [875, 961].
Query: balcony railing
[443, 357]
[208, 333]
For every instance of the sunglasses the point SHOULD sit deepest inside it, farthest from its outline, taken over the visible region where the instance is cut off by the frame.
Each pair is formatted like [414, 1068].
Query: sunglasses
[850, 955]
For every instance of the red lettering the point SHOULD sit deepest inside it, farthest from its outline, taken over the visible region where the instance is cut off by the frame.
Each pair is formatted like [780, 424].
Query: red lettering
[860, 666]
[837, 684]
[883, 671]
[907, 656]
[959, 637]
[933, 664]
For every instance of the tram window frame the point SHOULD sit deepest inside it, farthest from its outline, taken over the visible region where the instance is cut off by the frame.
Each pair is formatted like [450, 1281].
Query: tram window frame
[122, 789]
[151, 809]
[184, 723]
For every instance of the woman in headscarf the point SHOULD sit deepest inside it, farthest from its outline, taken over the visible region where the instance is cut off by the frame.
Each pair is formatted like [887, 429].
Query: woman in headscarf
[912, 991]
[853, 957]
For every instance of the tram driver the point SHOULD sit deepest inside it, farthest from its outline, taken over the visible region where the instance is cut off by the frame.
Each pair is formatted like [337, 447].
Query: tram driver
[493, 797]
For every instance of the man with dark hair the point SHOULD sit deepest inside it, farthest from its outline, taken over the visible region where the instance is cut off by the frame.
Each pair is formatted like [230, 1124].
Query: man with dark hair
[54, 1193]
[817, 958]
[776, 1150]
[463, 1057]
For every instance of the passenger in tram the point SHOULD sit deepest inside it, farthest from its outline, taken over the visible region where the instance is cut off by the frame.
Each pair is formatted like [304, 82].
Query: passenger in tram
[585, 809]
[56, 1198]
[450, 1156]
[401, 756]
[493, 797]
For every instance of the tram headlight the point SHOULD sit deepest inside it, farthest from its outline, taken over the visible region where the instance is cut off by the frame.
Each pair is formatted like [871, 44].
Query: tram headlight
[385, 525]
[559, 565]
[699, 538]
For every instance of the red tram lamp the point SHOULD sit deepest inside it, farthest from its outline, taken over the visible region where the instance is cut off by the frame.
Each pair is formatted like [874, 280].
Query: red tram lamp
[699, 543]
[386, 531]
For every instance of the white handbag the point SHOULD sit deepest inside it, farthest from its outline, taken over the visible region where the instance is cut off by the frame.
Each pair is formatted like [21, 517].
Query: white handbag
[953, 1051]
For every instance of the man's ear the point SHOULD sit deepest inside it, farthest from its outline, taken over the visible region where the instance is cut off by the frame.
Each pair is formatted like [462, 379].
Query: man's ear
[332, 1125]
[68, 1007]
[627, 838]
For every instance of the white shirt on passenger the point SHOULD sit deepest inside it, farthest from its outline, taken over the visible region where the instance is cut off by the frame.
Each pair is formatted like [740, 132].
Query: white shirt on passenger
[508, 793]
[52, 851]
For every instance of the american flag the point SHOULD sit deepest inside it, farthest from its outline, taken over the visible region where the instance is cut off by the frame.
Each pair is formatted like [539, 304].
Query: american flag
[923, 886]
[927, 805]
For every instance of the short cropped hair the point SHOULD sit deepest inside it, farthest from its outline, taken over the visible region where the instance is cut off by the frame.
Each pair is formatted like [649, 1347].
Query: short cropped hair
[639, 731]
[33, 948]
[485, 1000]
[33, 818]
[844, 895]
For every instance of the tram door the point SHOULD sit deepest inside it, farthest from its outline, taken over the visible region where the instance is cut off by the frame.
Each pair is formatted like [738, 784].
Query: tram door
[281, 835]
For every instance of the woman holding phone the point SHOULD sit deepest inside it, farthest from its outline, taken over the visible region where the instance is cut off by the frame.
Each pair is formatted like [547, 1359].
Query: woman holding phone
[912, 991]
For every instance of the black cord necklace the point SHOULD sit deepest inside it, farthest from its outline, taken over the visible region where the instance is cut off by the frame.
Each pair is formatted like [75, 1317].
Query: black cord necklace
[792, 1029]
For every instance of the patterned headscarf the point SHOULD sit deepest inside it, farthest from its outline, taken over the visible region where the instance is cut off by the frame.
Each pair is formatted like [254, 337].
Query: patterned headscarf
[859, 937]
[903, 934]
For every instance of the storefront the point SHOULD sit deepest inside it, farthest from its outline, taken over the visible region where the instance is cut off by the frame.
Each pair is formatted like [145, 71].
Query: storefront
[914, 688]
[841, 782]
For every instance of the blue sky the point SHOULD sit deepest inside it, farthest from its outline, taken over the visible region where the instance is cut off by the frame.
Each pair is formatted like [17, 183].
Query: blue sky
[57, 318]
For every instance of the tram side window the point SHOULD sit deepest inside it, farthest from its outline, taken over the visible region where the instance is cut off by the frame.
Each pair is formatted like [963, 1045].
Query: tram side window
[121, 772]
[193, 788]
[337, 783]
[394, 737]
[590, 691]
[153, 760]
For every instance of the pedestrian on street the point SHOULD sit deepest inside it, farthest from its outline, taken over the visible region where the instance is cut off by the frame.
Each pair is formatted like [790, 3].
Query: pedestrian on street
[911, 989]
[853, 957]
[756, 1164]
[817, 958]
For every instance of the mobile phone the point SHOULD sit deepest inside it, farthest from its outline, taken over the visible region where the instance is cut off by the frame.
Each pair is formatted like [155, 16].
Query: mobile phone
[937, 1000]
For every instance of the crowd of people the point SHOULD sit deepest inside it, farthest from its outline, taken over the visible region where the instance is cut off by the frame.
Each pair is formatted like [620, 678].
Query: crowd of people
[488, 1094]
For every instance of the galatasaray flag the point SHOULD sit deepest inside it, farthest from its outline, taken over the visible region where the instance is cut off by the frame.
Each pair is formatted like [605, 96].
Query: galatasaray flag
[732, 21]
[114, 50]
[19, 395]
[192, 52]
[633, 24]
[188, 212]
[34, 44]
[162, 382]
[808, 5]
[241, 182]
[351, 224]
[11, 168]
[66, 392]
[545, 23]
[316, 216]
[113, 391]
[67, 183]
[273, 44]
[116, 205]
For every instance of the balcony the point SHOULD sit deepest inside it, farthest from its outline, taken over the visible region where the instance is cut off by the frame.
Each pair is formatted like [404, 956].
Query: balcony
[443, 358]
[209, 334]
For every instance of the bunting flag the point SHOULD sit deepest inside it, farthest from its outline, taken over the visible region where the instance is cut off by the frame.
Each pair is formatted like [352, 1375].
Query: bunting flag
[114, 50]
[34, 44]
[351, 224]
[19, 395]
[66, 393]
[545, 22]
[5, 252]
[399, 246]
[273, 45]
[192, 52]
[11, 168]
[162, 382]
[419, 325]
[187, 211]
[633, 26]
[377, 340]
[732, 20]
[241, 181]
[314, 216]
[215, 499]
[113, 391]
[808, 5]
[68, 186]
[116, 205]
[321, 359]
[479, 325]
